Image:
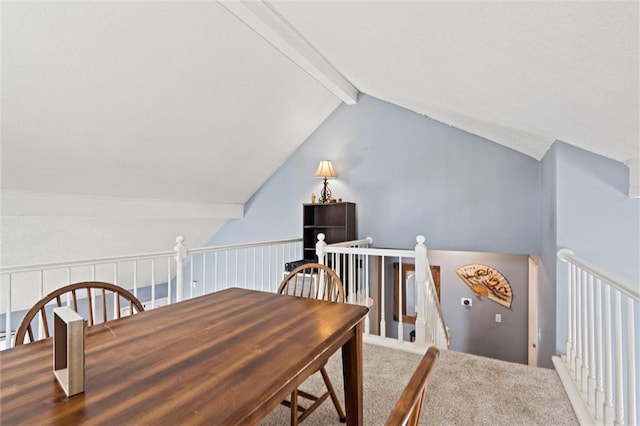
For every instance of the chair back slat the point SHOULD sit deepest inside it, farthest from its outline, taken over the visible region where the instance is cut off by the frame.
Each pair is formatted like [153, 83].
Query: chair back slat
[39, 310]
[74, 298]
[407, 410]
[118, 311]
[90, 306]
[313, 280]
[104, 305]
[45, 322]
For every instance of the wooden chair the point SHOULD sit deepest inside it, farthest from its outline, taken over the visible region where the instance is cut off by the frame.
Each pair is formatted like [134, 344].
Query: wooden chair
[407, 410]
[315, 281]
[75, 293]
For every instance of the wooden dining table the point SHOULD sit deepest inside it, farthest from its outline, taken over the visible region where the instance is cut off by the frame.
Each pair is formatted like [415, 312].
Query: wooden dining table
[226, 358]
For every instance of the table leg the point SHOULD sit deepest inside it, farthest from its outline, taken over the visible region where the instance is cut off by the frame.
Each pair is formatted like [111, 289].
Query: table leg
[352, 366]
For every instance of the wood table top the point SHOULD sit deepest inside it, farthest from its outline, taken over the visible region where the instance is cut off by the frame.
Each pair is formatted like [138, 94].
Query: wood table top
[225, 358]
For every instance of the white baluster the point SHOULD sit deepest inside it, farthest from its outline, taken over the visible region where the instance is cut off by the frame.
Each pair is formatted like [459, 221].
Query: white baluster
[255, 266]
[608, 359]
[7, 317]
[169, 280]
[631, 364]
[226, 267]
[592, 347]
[246, 266]
[383, 322]
[574, 321]
[367, 326]
[135, 279]
[320, 249]
[578, 367]
[352, 279]
[599, 355]
[204, 273]
[215, 271]
[181, 253]
[421, 266]
[153, 283]
[569, 315]
[236, 266]
[400, 294]
[619, 420]
[585, 336]
[191, 280]
[261, 268]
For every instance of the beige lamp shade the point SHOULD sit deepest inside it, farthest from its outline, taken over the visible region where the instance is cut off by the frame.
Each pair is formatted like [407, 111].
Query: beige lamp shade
[325, 170]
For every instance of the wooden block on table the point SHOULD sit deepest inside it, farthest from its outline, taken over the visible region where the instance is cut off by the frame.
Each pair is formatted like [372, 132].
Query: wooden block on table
[68, 350]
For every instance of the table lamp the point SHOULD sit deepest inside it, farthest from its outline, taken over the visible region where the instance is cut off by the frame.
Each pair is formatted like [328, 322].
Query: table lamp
[325, 171]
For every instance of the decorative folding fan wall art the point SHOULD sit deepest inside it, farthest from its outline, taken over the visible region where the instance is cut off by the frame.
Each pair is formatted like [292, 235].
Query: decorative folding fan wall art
[488, 282]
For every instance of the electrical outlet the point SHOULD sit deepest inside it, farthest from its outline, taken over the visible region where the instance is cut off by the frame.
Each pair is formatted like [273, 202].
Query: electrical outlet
[466, 302]
[498, 317]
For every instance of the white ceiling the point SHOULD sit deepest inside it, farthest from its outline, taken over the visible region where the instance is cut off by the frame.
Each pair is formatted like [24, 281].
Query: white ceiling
[522, 74]
[147, 100]
[184, 102]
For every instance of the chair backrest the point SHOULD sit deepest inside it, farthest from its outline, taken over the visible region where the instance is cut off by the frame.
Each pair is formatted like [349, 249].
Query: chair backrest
[80, 298]
[407, 410]
[315, 281]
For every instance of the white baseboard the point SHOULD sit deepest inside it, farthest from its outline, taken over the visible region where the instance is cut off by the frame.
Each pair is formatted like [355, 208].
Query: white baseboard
[580, 406]
[393, 344]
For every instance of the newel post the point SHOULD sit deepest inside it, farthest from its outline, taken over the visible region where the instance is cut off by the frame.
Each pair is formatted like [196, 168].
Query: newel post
[181, 254]
[320, 245]
[421, 288]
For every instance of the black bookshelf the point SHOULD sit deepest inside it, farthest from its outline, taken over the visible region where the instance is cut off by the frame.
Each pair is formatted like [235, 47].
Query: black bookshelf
[337, 221]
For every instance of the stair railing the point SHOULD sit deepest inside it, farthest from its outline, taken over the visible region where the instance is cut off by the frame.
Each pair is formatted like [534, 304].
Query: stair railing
[359, 266]
[599, 368]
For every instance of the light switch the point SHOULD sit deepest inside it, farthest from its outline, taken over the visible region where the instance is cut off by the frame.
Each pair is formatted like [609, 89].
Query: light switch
[498, 317]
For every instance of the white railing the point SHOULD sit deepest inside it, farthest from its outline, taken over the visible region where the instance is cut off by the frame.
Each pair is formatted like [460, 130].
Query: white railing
[155, 278]
[166, 277]
[364, 271]
[599, 368]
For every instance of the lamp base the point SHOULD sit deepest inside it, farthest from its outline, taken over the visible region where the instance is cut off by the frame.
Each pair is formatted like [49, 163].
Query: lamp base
[325, 194]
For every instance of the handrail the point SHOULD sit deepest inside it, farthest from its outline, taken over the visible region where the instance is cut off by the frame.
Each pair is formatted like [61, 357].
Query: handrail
[142, 256]
[83, 262]
[372, 251]
[209, 249]
[621, 284]
[367, 240]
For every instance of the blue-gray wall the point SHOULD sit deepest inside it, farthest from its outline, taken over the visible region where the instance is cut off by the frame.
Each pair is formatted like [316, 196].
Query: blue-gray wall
[595, 218]
[411, 175]
[547, 268]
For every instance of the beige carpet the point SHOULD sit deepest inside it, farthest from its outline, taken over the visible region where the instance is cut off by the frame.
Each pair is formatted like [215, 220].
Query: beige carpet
[464, 390]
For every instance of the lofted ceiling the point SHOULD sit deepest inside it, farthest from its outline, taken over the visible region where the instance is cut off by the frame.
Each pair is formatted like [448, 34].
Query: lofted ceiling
[521, 74]
[190, 107]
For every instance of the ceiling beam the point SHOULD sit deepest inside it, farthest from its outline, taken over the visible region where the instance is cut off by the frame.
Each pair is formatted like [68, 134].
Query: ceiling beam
[267, 23]
[18, 203]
